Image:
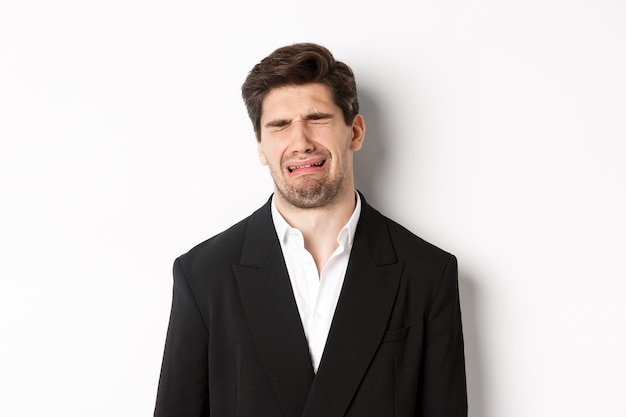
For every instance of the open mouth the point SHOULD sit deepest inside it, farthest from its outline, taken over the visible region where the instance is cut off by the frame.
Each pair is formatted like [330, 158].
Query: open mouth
[293, 168]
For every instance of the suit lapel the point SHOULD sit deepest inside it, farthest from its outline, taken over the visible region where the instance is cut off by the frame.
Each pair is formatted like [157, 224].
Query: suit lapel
[271, 309]
[360, 319]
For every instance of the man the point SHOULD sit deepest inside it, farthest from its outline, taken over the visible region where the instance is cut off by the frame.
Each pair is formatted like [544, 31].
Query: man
[316, 304]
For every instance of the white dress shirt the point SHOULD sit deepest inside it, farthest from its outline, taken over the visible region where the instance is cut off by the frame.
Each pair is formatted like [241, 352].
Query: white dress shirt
[316, 293]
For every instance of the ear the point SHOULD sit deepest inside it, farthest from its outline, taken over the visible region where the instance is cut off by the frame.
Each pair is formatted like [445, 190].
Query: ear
[260, 152]
[358, 133]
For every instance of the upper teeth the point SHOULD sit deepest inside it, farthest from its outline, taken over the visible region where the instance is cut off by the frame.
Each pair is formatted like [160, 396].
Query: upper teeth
[305, 166]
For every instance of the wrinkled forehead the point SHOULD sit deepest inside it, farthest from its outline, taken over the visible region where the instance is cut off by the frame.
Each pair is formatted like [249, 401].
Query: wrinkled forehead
[297, 100]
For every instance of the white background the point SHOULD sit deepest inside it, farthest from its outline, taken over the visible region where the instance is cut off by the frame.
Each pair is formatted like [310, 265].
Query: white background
[496, 130]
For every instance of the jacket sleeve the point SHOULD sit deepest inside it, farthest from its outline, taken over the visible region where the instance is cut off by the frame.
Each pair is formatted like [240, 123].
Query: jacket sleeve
[183, 384]
[444, 392]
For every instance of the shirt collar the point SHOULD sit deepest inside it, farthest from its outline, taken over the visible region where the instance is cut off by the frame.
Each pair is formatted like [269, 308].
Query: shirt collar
[346, 234]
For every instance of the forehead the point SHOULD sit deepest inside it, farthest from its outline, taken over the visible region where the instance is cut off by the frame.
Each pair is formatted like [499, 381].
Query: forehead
[294, 100]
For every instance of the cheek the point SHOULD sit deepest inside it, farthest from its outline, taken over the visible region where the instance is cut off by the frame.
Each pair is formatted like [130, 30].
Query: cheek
[271, 154]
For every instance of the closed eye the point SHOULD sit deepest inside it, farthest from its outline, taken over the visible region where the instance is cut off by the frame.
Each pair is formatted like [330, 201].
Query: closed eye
[319, 118]
[277, 125]
[313, 118]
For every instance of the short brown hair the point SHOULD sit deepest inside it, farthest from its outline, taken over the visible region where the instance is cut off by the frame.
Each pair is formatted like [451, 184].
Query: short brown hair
[299, 64]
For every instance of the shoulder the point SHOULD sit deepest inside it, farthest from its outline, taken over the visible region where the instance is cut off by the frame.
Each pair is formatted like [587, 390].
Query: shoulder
[223, 245]
[425, 266]
[225, 248]
[414, 243]
[406, 244]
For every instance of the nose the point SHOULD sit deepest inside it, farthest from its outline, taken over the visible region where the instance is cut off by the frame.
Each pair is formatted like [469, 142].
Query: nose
[300, 139]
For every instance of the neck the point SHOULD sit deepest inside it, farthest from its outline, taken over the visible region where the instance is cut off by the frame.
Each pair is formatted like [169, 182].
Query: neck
[319, 226]
[320, 220]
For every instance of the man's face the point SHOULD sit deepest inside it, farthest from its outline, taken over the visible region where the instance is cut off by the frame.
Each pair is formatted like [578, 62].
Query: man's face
[307, 145]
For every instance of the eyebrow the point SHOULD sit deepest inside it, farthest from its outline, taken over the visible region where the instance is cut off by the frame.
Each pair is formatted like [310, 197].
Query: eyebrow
[310, 116]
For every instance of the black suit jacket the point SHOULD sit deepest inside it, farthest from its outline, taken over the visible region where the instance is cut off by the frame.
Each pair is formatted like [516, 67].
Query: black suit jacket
[236, 347]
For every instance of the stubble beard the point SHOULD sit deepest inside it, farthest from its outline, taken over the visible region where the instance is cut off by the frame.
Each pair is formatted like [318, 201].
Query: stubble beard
[310, 193]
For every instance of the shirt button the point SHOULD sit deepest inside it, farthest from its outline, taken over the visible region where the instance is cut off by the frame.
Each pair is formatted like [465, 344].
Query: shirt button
[317, 316]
